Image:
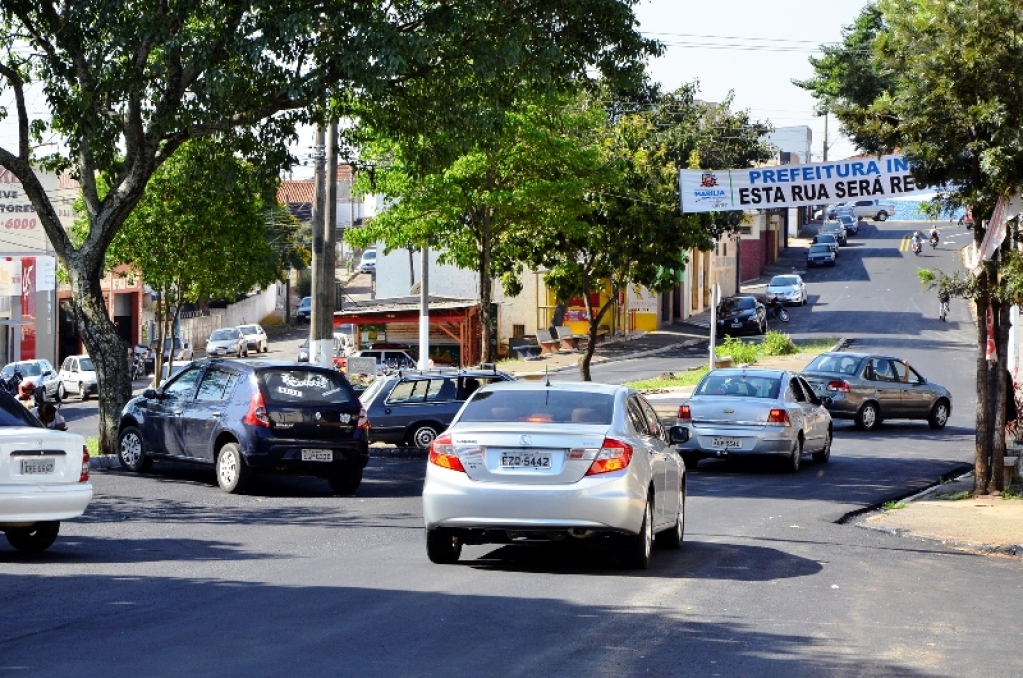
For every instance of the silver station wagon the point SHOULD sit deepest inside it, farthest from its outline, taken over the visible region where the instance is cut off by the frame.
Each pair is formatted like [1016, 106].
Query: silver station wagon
[869, 388]
[527, 461]
[741, 412]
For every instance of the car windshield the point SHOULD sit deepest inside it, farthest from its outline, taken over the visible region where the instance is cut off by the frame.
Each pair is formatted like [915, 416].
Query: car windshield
[306, 387]
[13, 413]
[740, 304]
[835, 364]
[221, 335]
[846, 218]
[306, 301]
[819, 249]
[26, 369]
[369, 254]
[248, 329]
[541, 406]
[784, 281]
[750, 386]
[85, 364]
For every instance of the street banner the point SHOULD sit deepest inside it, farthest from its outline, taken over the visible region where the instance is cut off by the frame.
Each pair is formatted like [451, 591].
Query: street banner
[886, 176]
[1006, 210]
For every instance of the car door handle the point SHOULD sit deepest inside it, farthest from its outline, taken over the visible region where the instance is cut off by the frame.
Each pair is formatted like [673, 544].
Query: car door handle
[214, 414]
[387, 410]
[176, 413]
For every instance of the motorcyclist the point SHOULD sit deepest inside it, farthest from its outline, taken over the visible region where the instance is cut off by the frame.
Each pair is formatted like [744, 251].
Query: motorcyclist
[48, 414]
[917, 241]
[776, 307]
[934, 235]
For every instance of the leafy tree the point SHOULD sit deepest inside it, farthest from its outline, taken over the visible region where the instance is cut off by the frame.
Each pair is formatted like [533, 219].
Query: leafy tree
[946, 91]
[125, 88]
[199, 232]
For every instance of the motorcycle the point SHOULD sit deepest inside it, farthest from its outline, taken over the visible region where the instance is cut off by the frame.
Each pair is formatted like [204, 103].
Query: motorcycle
[934, 241]
[11, 383]
[916, 247]
[778, 310]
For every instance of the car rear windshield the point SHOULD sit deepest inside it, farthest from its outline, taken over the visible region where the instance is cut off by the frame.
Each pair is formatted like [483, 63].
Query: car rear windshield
[13, 413]
[306, 387]
[835, 364]
[546, 406]
[752, 386]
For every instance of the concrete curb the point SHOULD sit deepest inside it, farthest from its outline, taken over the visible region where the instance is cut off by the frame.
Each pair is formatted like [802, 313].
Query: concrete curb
[1012, 550]
[598, 361]
[104, 461]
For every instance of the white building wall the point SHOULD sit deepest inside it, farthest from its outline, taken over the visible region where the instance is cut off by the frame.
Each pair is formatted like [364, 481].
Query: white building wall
[393, 275]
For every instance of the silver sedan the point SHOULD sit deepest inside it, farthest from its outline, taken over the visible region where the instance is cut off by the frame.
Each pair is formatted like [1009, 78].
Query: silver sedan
[528, 460]
[737, 412]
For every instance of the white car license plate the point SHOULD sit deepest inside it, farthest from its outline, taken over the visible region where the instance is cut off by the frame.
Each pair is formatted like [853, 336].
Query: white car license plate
[34, 466]
[525, 460]
[721, 443]
[736, 324]
[317, 455]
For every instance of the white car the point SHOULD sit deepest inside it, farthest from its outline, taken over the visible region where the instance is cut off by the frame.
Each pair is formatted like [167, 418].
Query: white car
[227, 341]
[77, 375]
[255, 337]
[528, 460]
[788, 289]
[368, 263]
[44, 478]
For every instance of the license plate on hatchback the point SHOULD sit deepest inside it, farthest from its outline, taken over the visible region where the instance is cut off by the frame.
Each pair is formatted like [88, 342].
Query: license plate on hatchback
[38, 466]
[722, 443]
[317, 455]
[537, 460]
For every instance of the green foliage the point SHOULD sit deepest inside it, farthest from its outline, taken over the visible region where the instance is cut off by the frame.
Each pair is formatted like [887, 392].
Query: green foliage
[777, 343]
[304, 286]
[893, 505]
[688, 378]
[741, 352]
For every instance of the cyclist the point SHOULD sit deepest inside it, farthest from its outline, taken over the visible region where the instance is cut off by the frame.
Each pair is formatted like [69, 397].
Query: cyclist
[943, 298]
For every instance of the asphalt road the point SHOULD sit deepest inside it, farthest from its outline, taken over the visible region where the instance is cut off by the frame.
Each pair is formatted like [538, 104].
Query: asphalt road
[167, 576]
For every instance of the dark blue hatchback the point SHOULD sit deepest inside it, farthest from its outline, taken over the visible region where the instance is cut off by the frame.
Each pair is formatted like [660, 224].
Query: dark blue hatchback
[247, 415]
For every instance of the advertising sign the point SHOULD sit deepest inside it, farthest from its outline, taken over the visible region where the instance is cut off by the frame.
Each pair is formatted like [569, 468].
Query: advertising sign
[886, 176]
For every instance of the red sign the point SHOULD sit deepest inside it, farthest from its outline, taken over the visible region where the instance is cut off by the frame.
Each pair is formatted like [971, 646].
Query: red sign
[28, 308]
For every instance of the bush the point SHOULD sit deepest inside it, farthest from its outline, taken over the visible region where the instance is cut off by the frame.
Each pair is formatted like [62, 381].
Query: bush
[776, 343]
[740, 351]
[304, 286]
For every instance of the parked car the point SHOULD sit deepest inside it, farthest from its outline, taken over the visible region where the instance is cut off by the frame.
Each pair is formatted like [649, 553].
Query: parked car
[412, 408]
[247, 416]
[869, 388]
[836, 229]
[182, 351]
[827, 239]
[788, 289]
[850, 223]
[741, 314]
[387, 359]
[820, 255]
[755, 411]
[878, 210]
[304, 311]
[528, 460]
[227, 341]
[342, 347]
[44, 478]
[255, 338]
[77, 375]
[368, 262]
[832, 211]
[40, 373]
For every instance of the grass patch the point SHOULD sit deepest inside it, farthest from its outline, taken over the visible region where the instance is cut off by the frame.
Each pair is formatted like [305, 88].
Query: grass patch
[1014, 492]
[688, 378]
[92, 444]
[893, 505]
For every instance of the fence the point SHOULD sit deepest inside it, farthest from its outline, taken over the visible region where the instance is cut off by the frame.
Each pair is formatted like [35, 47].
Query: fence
[196, 330]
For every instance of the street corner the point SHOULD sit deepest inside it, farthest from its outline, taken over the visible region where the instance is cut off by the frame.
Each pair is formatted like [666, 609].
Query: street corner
[950, 515]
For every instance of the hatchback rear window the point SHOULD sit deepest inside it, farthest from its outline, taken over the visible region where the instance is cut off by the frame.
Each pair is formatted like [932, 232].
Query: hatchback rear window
[836, 364]
[542, 407]
[306, 387]
[750, 386]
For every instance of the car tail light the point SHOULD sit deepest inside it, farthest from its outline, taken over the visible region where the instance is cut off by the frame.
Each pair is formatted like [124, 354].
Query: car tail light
[838, 385]
[363, 424]
[614, 455]
[257, 415]
[84, 477]
[684, 413]
[778, 416]
[442, 453]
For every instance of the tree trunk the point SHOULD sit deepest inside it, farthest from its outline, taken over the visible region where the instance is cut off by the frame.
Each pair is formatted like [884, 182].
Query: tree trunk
[106, 348]
[982, 437]
[999, 394]
[486, 291]
[594, 327]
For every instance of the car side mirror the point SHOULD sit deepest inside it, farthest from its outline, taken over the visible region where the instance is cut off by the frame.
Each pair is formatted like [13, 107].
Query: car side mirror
[47, 373]
[678, 434]
[151, 394]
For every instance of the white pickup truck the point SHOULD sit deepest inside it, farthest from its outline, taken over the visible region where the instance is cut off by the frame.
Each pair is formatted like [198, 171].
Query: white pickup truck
[878, 210]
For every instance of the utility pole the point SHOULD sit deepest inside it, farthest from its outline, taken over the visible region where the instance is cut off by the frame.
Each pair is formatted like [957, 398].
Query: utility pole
[424, 311]
[330, 238]
[320, 339]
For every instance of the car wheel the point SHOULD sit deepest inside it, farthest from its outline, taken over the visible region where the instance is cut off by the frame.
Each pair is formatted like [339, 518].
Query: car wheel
[442, 547]
[882, 216]
[824, 456]
[35, 539]
[346, 482]
[635, 549]
[691, 461]
[233, 475]
[266, 348]
[61, 391]
[867, 418]
[939, 415]
[795, 458]
[131, 450]
[83, 393]
[672, 539]
[421, 435]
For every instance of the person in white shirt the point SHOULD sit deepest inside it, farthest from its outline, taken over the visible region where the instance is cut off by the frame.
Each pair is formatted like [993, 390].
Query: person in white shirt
[48, 414]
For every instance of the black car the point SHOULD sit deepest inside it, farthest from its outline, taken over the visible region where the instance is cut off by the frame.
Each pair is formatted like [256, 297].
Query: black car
[304, 310]
[742, 314]
[245, 416]
[412, 408]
